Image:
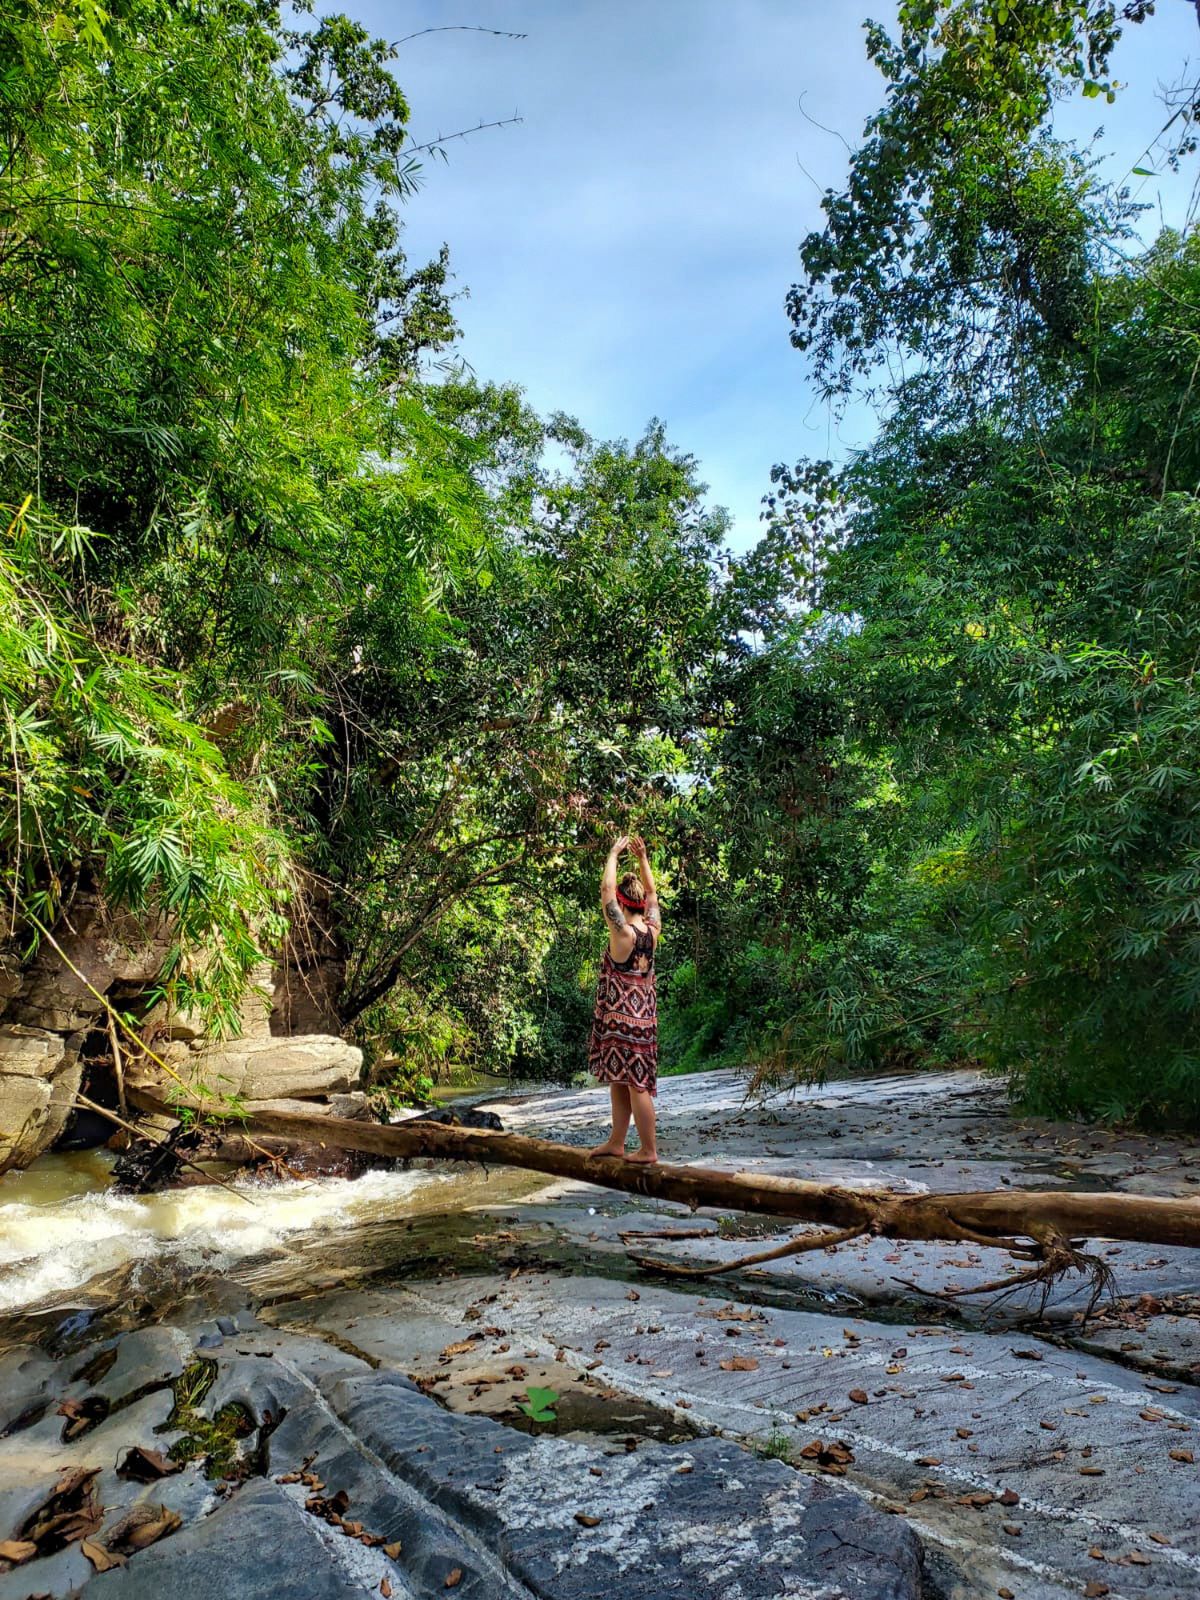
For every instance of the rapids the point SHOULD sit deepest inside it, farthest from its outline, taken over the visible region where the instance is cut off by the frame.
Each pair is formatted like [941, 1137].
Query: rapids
[61, 1223]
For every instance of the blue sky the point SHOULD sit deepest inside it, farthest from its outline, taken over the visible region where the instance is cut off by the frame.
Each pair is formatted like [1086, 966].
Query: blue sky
[627, 246]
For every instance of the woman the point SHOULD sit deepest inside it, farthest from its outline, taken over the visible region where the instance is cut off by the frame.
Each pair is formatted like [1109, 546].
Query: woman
[624, 1046]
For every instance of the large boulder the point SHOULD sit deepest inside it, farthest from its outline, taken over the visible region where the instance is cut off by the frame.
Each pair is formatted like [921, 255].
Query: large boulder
[254, 1012]
[39, 1079]
[308, 1067]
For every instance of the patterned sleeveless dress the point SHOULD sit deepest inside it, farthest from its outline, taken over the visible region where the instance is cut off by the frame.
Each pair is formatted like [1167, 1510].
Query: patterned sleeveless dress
[624, 1042]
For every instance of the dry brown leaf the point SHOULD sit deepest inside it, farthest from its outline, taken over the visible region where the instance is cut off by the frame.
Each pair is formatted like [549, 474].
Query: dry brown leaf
[1138, 1558]
[860, 1397]
[740, 1364]
[16, 1550]
[1091, 1472]
[146, 1466]
[462, 1348]
[1159, 1538]
[1181, 1455]
[586, 1521]
[392, 1551]
[1094, 1588]
[385, 1588]
[100, 1558]
[1010, 1497]
[148, 1533]
[454, 1578]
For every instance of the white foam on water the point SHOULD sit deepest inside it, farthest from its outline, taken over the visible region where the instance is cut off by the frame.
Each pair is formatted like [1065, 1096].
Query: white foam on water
[48, 1247]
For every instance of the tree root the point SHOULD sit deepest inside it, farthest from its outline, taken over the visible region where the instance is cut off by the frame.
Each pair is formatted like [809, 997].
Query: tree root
[1054, 1257]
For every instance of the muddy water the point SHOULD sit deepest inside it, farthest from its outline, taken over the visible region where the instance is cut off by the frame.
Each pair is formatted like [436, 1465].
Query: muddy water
[65, 1232]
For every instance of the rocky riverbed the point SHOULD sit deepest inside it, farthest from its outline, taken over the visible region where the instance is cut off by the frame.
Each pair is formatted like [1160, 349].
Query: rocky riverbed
[343, 1409]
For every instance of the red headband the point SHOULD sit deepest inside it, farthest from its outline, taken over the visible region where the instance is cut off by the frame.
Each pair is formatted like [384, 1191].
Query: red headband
[629, 902]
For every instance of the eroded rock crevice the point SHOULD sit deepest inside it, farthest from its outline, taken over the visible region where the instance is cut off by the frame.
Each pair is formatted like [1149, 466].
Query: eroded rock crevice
[55, 1039]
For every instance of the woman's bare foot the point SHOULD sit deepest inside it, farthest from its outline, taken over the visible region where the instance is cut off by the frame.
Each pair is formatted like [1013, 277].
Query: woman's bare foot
[608, 1149]
[644, 1158]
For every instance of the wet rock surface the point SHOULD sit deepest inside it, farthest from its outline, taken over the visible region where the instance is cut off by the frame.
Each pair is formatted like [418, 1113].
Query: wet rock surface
[344, 1479]
[805, 1428]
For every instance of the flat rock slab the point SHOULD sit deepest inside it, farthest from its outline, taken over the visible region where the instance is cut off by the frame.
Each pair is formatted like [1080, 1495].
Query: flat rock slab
[1015, 1458]
[702, 1520]
[259, 1545]
[360, 1484]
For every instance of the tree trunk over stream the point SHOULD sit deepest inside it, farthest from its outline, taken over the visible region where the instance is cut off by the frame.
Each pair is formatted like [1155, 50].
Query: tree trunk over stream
[1006, 1218]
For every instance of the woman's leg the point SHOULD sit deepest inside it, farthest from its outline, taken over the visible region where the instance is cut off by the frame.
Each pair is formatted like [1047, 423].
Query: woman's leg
[614, 1145]
[643, 1116]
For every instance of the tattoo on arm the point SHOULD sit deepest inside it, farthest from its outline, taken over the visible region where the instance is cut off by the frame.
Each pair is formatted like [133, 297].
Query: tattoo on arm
[616, 916]
[653, 914]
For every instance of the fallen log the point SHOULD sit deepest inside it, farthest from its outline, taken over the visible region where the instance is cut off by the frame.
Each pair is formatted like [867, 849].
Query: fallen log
[1030, 1222]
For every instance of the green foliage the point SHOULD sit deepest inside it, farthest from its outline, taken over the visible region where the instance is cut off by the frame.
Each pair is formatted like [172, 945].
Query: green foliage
[1009, 621]
[966, 235]
[329, 636]
[539, 1406]
[106, 780]
[958, 785]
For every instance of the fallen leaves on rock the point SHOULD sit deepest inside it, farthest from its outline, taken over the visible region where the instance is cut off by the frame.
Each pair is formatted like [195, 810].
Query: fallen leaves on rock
[1181, 1455]
[69, 1513]
[99, 1556]
[740, 1364]
[860, 1397]
[735, 1314]
[1094, 1588]
[454, 1578]
[142, 1526]
[82, 1415]
[15, 1551]
[832, 1457]
[146, 1466]
[585, 1520]
[979, 1499]
[461, 1348]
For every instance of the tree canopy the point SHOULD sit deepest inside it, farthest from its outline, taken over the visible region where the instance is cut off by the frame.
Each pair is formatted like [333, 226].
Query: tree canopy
[305, 627]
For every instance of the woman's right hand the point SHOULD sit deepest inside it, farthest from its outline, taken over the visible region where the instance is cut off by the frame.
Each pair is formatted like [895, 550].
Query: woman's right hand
[620, 845]
[638, 845]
